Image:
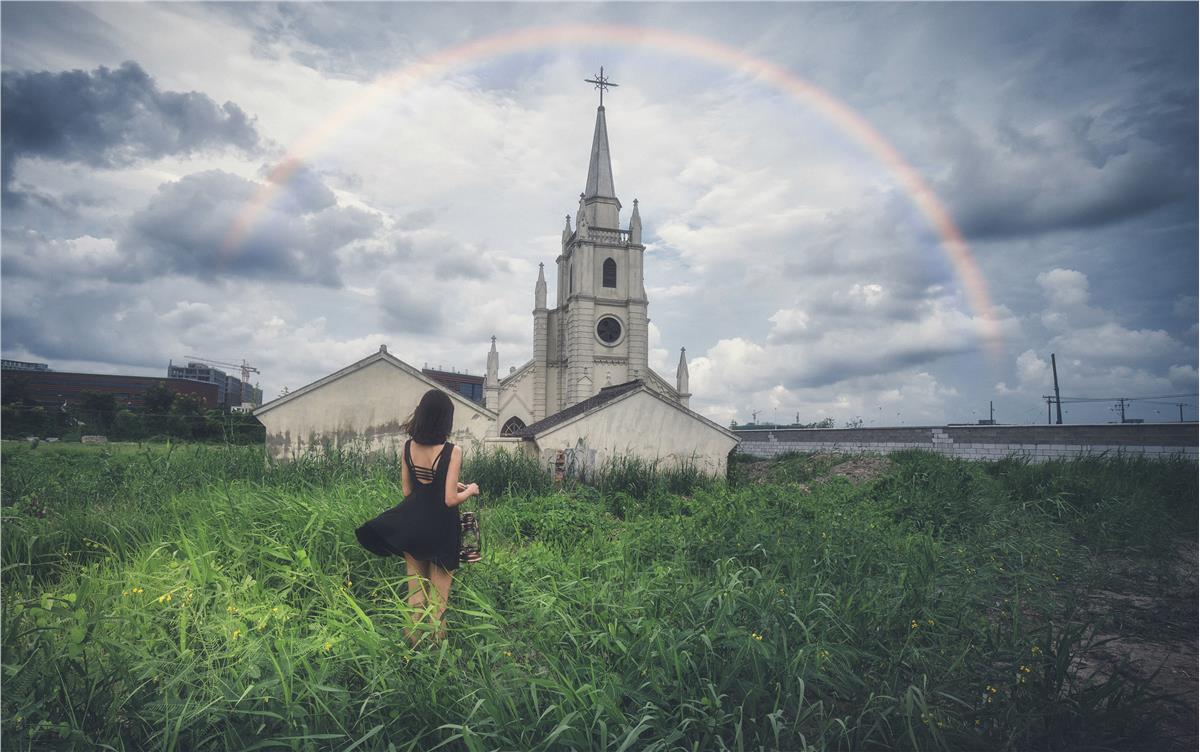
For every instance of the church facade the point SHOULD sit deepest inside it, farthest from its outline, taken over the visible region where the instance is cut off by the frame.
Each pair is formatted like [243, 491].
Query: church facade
[586, 398]
[597, 333]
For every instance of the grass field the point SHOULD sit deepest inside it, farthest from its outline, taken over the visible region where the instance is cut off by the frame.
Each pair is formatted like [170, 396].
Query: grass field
[198, 597]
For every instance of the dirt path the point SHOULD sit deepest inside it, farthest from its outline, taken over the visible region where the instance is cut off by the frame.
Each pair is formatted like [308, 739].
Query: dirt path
[1149, 611]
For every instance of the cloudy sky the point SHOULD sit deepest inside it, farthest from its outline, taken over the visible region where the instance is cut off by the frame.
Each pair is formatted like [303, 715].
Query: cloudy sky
[796, 266]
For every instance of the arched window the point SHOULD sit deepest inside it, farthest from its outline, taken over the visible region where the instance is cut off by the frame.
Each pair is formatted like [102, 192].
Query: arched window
[512, 426]
[610, 273]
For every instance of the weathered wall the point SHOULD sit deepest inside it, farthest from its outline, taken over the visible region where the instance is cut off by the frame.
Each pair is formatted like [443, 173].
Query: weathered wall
[640, 426]
[1038, 443]
[516, 397]
[361, 410]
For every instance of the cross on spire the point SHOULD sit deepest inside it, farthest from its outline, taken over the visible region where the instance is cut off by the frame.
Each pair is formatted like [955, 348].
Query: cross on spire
[601, 83]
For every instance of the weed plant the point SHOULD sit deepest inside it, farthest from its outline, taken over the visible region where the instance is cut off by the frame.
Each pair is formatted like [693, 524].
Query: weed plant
[207, 599]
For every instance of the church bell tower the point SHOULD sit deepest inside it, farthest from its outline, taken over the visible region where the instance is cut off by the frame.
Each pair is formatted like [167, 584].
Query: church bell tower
[597, 334]
[600, 322]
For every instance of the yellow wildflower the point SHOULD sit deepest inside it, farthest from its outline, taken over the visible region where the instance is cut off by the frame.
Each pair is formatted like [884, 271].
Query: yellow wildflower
[327, 647]
[1035, 650]
[915, 624]
[930, 622]
[237, 633]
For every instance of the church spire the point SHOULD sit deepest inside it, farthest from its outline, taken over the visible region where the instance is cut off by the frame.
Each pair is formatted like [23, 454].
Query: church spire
[600, 177]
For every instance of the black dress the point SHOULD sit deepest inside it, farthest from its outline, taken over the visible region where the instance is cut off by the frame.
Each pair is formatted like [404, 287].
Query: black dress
[422, 525]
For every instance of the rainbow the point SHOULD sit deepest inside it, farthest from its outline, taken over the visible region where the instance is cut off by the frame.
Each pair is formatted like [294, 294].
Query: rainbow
[861, 131]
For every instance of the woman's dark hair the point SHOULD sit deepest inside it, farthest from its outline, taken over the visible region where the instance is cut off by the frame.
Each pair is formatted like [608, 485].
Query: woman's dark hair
[433, 419]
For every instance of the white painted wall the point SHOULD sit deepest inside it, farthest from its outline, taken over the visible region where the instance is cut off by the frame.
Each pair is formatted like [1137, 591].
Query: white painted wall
[643, 426]
[362, 409]
[516, 397]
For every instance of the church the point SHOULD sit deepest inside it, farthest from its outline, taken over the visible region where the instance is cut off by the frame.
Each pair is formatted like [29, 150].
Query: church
[587, 396]
[597, 334]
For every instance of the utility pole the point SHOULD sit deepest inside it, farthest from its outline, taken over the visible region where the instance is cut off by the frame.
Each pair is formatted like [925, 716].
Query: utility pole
[991, 412]
[1049, 401]
[1181, 405]
[754, 416]
[1057, 396]
[1121, 406]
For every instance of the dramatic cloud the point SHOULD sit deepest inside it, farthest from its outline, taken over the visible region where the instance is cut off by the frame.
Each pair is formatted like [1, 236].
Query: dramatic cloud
[112, 118]
[186, 230]
[792, 262]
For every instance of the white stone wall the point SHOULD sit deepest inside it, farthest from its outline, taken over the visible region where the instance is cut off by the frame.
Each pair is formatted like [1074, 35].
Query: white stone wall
[939, 440]
[640, 426]
[517, 397]
[362, 410]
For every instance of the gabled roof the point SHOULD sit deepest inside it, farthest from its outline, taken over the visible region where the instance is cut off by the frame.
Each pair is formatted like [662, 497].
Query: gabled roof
[383, 355]
[606, 396]
[661, 382]
[517, 373]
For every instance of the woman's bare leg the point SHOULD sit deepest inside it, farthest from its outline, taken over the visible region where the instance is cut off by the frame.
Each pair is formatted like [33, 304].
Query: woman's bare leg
[441, 578]
[418, 576]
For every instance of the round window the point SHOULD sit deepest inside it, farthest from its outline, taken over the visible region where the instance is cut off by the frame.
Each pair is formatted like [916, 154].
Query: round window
[608, 330]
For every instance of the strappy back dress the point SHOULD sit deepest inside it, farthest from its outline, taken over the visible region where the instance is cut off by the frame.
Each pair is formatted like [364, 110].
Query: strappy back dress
[422, 525]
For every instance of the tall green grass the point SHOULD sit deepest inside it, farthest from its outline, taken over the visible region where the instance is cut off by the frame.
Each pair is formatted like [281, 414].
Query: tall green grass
[936, 608]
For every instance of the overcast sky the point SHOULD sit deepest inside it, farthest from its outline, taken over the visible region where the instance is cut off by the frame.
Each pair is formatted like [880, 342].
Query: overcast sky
[789, 260]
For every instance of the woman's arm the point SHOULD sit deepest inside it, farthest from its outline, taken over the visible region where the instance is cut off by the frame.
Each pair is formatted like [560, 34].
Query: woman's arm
[405, 481]
[454, 497]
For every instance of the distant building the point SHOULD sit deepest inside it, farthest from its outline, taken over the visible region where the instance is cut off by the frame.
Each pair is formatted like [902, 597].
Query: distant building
[54, 388]
[21, 365]
[231, 391]
[467, 385]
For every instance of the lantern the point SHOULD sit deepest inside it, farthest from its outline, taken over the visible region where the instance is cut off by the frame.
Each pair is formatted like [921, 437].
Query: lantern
[470, 549]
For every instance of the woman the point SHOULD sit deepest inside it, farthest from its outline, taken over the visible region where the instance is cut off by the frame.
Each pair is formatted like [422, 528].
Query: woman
[424, 528]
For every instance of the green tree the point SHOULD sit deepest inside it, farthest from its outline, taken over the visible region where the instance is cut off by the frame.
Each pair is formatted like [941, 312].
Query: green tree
[15, 390]
[158, 398]
[97, 410]
[187, 416]
[129, 426]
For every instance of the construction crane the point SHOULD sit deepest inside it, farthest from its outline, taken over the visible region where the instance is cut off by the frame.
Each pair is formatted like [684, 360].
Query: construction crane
[247, 369]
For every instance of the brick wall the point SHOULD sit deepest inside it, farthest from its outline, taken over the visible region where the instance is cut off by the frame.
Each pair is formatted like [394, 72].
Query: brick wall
[1038, 443]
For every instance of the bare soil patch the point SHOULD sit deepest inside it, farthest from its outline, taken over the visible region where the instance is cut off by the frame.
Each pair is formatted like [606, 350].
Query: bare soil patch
[859, 469]
[855, 468]
[1147, 616]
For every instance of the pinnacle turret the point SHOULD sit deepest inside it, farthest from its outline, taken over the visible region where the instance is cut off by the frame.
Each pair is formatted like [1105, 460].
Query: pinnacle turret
[681, 378]
[539, 290]
[635, 224]
[493, 364]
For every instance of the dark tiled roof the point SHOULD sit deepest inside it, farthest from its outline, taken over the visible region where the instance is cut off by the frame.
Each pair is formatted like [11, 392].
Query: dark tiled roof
[607, 394]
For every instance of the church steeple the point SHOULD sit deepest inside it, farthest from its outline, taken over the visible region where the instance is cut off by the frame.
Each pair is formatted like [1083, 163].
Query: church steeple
[600, 177]
[600, 205]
